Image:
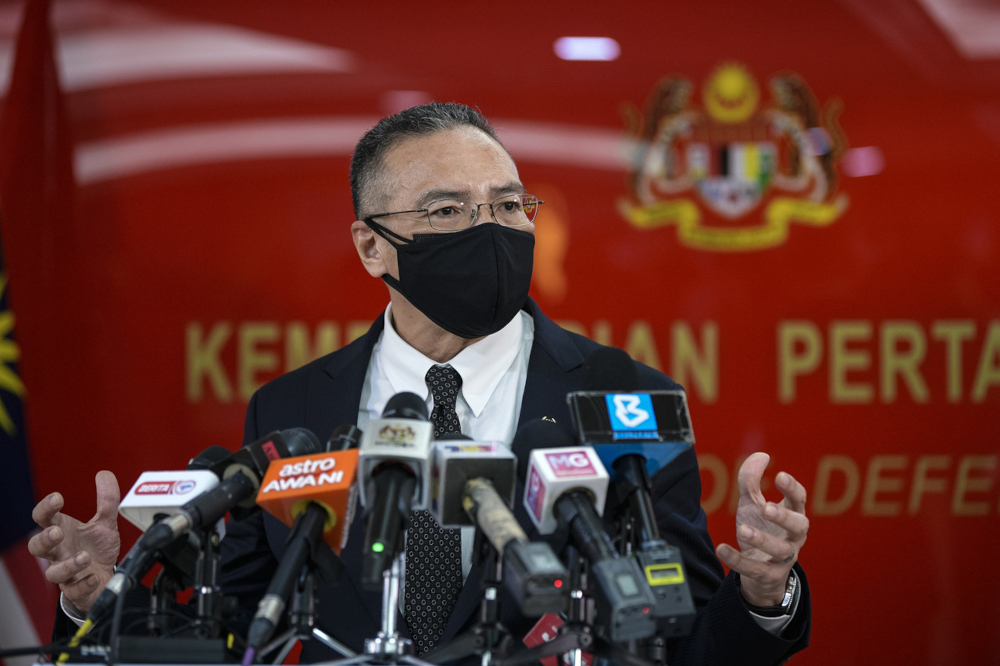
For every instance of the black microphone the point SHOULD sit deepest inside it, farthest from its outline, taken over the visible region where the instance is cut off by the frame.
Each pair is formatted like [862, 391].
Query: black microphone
[318, 503]
[394, 462]
[564, 489]
[253, 459]
[344, 437]
[611, 370]
[611, 376]
[210, 457]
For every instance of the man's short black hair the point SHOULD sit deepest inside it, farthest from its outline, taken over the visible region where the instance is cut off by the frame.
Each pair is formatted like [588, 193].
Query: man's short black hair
[415, 121]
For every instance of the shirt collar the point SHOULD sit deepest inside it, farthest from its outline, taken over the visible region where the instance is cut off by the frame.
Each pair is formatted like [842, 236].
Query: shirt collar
[482, 365]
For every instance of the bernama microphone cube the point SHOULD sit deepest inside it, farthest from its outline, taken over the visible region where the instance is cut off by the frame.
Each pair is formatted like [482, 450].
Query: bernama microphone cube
[157, 495]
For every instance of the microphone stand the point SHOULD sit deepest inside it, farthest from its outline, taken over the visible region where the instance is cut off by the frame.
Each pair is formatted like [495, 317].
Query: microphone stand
[576, 636]
[388, 647]
[208, 621]
[178, 561]
[201, 642]
[488, 636]
[655, 647]
[640, 538]
[163, 601]
[303, 621]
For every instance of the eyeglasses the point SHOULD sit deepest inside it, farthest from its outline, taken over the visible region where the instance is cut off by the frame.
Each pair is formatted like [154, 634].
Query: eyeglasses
[510, 210]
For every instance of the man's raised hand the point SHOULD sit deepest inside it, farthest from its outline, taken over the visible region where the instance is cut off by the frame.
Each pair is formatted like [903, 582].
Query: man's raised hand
[770, 535]
[82, 556]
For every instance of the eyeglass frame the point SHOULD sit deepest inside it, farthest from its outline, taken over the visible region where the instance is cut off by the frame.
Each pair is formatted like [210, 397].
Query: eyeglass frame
[475, 217]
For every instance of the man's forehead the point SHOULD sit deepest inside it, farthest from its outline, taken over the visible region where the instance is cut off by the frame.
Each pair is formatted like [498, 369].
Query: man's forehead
[456, 160]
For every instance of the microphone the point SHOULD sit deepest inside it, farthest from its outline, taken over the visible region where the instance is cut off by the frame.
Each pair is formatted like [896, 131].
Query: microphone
[565, 488]
[475, 484]
[394, 461]
[316, 496]
[616, 418]
[344, 437]
[240, 472]
[210, 456]
[157, 495]
[253, 459]
[324, 479]
[661, 418]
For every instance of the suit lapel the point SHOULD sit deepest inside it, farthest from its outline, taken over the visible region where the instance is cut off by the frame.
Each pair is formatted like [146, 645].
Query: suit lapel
[334, 399]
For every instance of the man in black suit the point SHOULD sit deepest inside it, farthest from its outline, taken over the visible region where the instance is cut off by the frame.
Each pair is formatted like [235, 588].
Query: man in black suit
[444, 220]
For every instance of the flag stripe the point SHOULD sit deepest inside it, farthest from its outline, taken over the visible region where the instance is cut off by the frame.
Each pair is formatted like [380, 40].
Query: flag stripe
[38, 595]
[16, 626]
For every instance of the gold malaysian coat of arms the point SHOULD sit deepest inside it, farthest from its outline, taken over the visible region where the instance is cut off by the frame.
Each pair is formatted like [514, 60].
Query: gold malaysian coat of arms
[707, 170]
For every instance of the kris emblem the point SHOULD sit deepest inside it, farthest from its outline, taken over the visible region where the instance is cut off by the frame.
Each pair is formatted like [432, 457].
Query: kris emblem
[396, 434]
[708, 170]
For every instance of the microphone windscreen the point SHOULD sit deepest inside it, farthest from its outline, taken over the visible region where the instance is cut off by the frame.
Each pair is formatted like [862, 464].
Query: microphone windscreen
[539, 434]
[405, 405]
[301, 442]
[343, 438]
[209, 457]
[610, 369]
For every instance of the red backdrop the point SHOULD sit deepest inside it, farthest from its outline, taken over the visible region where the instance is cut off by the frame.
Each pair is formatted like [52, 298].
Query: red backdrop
[800, 224]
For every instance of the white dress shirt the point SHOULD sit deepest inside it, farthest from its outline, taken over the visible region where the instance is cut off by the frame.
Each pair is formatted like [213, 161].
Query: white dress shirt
[493, 370]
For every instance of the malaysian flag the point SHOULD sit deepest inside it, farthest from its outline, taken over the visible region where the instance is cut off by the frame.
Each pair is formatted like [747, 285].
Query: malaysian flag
[27, 600]
[28, 136]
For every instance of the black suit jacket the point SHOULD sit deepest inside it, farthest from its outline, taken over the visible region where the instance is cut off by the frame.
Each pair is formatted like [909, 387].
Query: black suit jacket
[327, 393]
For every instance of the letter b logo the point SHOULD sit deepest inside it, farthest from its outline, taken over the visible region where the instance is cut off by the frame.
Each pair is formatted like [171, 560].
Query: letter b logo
[629, 411]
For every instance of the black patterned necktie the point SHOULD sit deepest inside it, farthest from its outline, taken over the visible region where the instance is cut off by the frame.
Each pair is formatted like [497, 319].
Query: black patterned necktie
[444, 383]
[434, 554]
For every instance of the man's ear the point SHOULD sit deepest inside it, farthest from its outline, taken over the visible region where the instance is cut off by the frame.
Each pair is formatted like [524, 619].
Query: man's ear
[369, 249]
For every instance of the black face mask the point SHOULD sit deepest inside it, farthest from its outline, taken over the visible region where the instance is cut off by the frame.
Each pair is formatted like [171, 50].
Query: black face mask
[470, 283]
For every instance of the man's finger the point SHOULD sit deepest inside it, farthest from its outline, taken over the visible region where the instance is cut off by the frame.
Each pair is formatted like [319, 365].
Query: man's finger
[780, 550]
[109, 496]
[45, 511]
[744, 566]
[751, 472]
[67, 571]
[79, 592]
[83, 587]
[767, 574]
[46, 543]
[794, 523]
[794, 492]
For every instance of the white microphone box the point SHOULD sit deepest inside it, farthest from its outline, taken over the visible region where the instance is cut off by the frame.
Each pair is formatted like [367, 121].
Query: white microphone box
[554, 472]
[156, 495]
[406, 441]
[456, 462]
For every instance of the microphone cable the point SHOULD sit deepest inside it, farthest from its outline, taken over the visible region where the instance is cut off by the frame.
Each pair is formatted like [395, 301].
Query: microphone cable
[75, 640]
